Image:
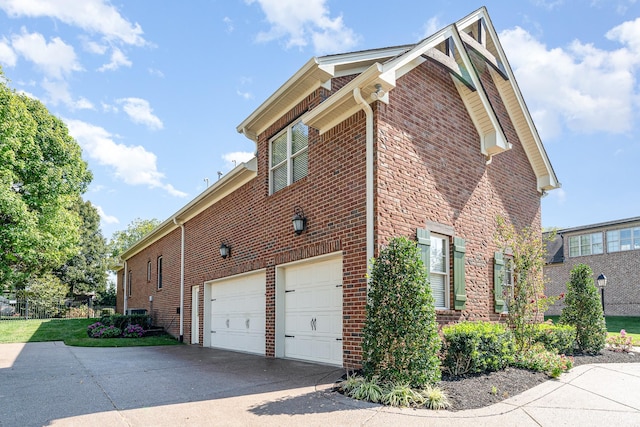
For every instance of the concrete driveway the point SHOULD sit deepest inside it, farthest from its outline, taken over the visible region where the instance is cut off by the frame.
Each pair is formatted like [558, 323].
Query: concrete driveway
[52, 384]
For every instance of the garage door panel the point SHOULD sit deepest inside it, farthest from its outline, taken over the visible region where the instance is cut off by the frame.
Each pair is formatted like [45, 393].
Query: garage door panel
[313, 311]
[237, 311]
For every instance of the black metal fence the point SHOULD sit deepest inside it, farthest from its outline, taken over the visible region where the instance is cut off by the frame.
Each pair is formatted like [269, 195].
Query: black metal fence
[39, 309]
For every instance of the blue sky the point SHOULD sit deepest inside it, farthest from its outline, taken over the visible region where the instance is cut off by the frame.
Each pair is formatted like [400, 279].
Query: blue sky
[153, 90]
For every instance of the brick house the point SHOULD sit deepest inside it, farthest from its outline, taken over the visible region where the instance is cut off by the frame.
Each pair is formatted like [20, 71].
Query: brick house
[432, 141]
[610, 248]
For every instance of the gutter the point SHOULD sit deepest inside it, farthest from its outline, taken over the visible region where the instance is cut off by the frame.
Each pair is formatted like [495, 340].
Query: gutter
[369, 172]
[176, 221]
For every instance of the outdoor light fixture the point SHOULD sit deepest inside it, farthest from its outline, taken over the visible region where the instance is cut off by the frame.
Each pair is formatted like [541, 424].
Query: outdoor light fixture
[602, 282]
[299, 220]
[225, 250]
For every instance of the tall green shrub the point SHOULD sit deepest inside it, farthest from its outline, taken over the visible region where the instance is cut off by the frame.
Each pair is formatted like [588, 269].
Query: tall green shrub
[400, 336]
[583, 310]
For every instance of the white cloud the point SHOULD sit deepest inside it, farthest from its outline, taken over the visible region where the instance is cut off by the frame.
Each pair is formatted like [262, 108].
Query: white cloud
[93, 46]
[56, 59]
[58, 92]
[134, 165]
[108, 219]
[237, 157]
[303, 22]
[108, 108]
[95, 16]
[431, 26]
[229, 24]
[118, 59]
[579, 87]
[139, 111]
[8, 57]
[155, 72]
[244, 95]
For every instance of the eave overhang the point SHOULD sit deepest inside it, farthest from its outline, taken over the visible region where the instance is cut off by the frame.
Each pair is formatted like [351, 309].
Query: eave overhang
[226, 185]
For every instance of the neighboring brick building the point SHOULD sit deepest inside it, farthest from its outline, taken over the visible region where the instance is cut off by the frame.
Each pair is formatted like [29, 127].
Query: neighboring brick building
[432, 141]
[610, 248]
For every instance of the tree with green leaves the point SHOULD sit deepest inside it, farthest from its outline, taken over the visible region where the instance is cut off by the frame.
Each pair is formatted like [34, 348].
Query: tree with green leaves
[124, 239]
[527, 301]
[400, 335]
[42, 174]
[86, 271]
[584, 311]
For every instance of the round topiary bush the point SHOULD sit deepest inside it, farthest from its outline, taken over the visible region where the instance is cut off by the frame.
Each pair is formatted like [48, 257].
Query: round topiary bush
[400, 336]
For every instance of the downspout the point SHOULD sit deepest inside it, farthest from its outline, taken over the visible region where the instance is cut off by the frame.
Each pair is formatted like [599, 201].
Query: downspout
[368, 111]
[124, 289]
[181, 224]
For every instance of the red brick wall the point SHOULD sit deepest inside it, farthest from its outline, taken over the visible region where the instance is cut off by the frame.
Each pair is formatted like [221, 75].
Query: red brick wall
[430, 168]
[622, 294]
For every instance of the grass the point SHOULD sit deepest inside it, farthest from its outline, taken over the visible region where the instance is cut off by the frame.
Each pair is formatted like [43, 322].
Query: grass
[615, 323]
[72, 331]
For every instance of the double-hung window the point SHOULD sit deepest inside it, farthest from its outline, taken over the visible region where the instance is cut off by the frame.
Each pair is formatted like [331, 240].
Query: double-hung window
[159, 272]
[288, 156]
[625, 239]
[586, 244]
[439, 270]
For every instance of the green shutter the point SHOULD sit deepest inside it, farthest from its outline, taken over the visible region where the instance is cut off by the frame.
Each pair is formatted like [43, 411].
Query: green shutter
[498, 278]
[424, 244]
[459, 292]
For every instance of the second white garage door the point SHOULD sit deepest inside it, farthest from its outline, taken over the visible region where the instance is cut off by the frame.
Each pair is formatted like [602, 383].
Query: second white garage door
[237, 313]
[313, 311]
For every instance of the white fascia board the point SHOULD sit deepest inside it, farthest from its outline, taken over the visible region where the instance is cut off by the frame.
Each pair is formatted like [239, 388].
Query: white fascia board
[549, 180]
[226, 185]
[309, 78]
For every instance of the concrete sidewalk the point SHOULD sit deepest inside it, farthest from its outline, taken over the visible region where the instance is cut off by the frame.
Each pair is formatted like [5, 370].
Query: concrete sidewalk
[52, 384]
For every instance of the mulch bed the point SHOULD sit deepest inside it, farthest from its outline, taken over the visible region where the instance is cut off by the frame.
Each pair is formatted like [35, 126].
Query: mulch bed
[479, 390]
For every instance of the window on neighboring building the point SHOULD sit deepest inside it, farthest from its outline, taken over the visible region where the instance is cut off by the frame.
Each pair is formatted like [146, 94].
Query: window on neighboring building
[586, 244]
[148, 271]
[625, 239]
[129, 284]
[159, 272]
[439, 270]
[288, 157]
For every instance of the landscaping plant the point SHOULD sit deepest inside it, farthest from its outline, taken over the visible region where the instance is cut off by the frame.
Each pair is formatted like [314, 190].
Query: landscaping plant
[583, 310]
[528, 304]
[474, 347]
[621, 343]
[400, 336]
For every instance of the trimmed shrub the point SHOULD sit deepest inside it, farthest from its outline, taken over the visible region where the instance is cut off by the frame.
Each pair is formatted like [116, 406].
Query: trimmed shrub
[122, 321]
[583, 310]
[539, 359]
[560, 339]
[472, 347]
[133, 331]
[400, 341]
[104, 331]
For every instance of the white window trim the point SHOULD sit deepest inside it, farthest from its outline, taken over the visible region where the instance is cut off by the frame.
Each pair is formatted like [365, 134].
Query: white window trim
[159, 279]
[447, 269]
[633, 239]
[288, 160]
[591, 244]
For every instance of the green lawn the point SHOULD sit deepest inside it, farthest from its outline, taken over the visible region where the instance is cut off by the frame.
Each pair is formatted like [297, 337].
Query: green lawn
[615, 323]
[71, 331]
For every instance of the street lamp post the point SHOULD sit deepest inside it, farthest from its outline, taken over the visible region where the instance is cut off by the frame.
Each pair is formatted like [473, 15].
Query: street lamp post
[602, 283]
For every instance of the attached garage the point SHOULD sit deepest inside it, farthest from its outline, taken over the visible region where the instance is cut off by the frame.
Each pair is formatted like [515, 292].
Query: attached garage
[235, 313]
[309, 315]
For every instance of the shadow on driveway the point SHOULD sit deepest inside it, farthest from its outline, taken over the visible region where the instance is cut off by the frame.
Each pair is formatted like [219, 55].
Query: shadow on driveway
[43, 382]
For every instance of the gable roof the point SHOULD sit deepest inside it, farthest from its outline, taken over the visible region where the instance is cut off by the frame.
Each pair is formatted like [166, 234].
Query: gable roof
[377, 71]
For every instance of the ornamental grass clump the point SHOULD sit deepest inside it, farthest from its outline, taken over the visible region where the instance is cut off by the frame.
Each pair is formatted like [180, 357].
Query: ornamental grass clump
[400, 342]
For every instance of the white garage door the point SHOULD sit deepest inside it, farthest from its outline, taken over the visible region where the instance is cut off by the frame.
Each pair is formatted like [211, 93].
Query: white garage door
[238, 313]
[313, 311]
